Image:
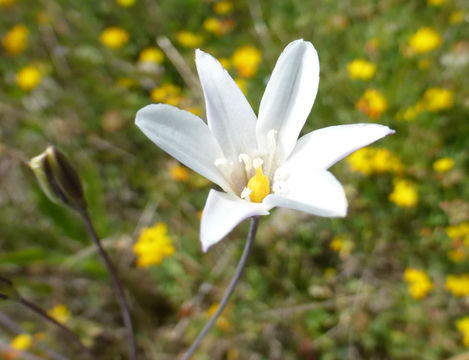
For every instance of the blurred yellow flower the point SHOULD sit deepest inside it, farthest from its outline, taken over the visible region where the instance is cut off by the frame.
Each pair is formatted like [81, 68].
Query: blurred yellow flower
[404, 194]
[225, 62]
[463, 326]
[151, 55]
[179, 173]
[459, 232]
[188, 39]
[418, 282]
[6, 3]
[458, 285]
[217, 26]
[246, 60]
[125, 3]
[372, 103]
[28, 77]
[222, 322]
[342, 245]
[443, 165]
[16, 39]
[370, 160]
[153, 245]
[436, 99]
[223, 7]
[412, 112]
[114, 37]
[194, 110]
[21, 342]
[166, 93]
[60, 313]
[435, 2]
[457, 17]
[425, 40]
[457, 255]
[242, 84]
[361, 69]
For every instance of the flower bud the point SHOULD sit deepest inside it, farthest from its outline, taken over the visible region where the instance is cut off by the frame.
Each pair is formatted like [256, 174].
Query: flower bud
[7, 290]
[58, 179]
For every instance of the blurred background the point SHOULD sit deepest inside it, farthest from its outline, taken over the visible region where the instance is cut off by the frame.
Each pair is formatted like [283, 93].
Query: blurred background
[389, 281]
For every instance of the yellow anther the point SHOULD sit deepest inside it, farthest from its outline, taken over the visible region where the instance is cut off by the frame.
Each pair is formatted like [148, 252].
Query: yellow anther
[259, 186]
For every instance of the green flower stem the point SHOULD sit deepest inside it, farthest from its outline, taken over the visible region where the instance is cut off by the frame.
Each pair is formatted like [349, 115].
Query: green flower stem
[116, 285]
[229, 291]
[64, 329]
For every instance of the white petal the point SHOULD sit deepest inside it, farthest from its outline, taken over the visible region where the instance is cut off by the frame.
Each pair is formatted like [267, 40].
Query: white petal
[324, 147]
[185, 137]
[289, 96]
[313, 191]
[222, 212]
[229, 115]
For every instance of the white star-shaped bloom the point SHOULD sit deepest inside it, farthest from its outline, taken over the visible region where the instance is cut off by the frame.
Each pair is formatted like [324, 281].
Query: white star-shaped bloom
[259, 162]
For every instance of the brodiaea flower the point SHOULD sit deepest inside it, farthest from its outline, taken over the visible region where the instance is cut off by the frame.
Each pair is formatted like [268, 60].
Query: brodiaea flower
[259, 163]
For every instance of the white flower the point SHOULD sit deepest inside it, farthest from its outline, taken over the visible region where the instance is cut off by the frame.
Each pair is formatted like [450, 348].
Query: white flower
[235, 149]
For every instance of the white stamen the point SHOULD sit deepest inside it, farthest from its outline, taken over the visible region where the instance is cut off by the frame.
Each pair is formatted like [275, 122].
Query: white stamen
[245, 194]
[246, 159]
[257, 162]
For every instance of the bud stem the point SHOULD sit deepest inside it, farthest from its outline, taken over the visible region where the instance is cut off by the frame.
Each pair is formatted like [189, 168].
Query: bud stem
[64, 329]
[115, 283]
[229, 291]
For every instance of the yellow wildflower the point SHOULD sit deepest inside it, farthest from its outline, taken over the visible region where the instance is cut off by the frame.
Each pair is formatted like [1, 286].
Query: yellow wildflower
[153, 245]
[166, 93]
[404, 194]
[463, 326]
[179, 173]
[370, 160]
[5, 3]
[457, 17]
[435, 2]
[16, 39]
[222, 322]
[28, 77]
[151, 55]
[242, 84]
[21, 342]
[425, 40]
[114, 37]
[443, 165]
[223, 7]
[194, 110]
[436, 99]
[412, 112]
[225, 62]
[458, 285]
[457, 255]
[125, 3]
[418, 282]
[188, 39]
[372, 103]
[217, 26]
[459, 232]
[246, 60]
[60, 313]
[361, 69]
[342, 245]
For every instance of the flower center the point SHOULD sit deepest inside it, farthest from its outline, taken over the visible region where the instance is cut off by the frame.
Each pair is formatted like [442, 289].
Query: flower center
[259, 186]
